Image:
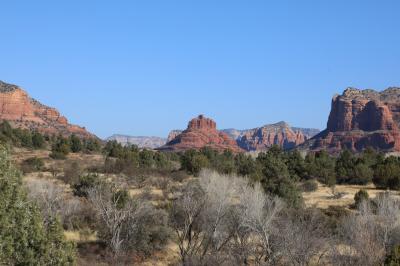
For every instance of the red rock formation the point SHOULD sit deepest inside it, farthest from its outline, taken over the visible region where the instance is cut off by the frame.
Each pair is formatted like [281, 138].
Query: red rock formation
[262, 138]
[202, 132]
[22, 111]
[173, 134]
[360, 119]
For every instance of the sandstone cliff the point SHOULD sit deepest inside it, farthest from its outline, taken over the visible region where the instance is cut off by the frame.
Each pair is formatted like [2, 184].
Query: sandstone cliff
[361, 119]
[261, 138]
[22, 111]
[173, 134]
[201, 132]
[280, 134]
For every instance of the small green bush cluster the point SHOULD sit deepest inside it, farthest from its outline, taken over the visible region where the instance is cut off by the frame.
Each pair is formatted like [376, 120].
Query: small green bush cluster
[129, 159]
[21, 137]
[62, 146]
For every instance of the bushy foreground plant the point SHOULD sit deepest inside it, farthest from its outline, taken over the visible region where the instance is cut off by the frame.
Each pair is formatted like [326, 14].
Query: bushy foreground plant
[25, 239]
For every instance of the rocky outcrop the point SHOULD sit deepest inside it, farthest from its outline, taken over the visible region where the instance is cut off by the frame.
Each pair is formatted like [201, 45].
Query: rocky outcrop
[202, 132]
[281, 134]
[22, 111]
[141, 142]
[361, 119]
[234, 133]
[262, 138]
[173, 134]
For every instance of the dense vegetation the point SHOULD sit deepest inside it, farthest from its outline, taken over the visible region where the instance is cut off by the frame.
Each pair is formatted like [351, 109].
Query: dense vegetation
[60, 146]
[25, 237]
[238, 210]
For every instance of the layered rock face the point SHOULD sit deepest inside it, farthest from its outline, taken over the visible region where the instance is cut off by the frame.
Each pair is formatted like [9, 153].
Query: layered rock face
[22, 111]
[280, 134]
[262, 138]
[361, 119]
[141, 141]
[201, 132]
[173, 134]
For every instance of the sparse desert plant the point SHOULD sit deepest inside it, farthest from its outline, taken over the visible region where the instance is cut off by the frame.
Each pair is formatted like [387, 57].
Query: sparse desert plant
[85, 184]
[72, 172]
[302, 238]
[213, 218]
[371, 234]
[126, 224]
[360, 197]
[179, 176]
[33, 164]
[54, 203]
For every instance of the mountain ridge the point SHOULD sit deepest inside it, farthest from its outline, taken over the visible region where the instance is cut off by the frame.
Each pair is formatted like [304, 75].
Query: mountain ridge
[23, 111]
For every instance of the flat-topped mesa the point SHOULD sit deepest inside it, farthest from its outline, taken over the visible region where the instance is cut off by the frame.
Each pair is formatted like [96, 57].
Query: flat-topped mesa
[201, 132]
[365, 110]
[362, 118]
[24, 112]
[391, 94]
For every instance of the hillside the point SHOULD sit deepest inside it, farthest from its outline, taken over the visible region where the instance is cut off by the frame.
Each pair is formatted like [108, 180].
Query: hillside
[22, 111]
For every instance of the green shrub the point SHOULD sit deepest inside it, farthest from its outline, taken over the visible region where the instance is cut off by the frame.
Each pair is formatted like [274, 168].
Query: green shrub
[193, 162]
[38, 140]
[75, 143]
[32, 165]
[387, 174]
[85, 183]
[360, 197]
[310, 185]
[57, 155]
[276, 178]
[24, 237]
[393, 259]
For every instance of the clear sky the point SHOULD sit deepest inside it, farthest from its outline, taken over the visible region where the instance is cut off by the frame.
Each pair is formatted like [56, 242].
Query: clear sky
[146, 67]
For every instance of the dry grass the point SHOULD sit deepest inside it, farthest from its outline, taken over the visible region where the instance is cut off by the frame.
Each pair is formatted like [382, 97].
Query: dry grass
[168, 256]
[84, 160]
[80, 237]
[323, 197]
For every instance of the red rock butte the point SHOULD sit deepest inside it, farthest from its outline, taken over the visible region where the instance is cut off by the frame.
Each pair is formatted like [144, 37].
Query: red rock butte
[280, 134]
[202, 132]
[22, 111]
[361, 119]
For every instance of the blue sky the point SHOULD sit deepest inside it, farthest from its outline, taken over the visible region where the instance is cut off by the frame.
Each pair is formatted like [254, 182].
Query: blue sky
[146, 67]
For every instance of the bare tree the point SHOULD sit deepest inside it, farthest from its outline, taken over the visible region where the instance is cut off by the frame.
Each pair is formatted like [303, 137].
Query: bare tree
[108, 208]
[127, 224]
[54, 201]
[223, 220]
[259, 212]
[368, 235]
[49, 197]
[221, 191]
[302, 238]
